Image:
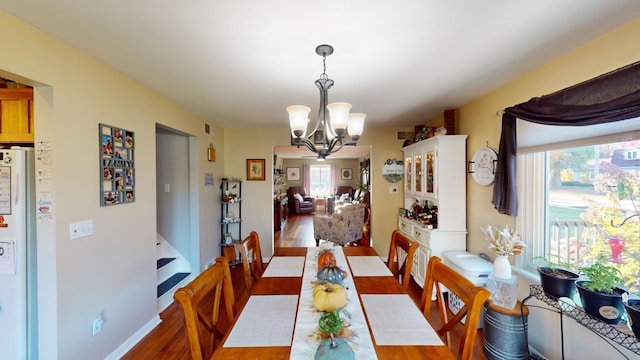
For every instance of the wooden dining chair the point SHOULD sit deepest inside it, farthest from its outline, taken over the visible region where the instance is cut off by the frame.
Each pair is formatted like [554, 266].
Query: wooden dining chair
[401, 262]
[249, 250]
[472, 297]
[200, 303]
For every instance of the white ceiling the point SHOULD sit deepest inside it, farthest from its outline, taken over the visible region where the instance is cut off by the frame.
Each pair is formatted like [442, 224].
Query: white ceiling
[239, 63]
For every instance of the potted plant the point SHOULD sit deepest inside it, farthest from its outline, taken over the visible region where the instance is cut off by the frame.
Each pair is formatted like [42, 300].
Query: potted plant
[632, 306]
[558, 280]
[600, 294]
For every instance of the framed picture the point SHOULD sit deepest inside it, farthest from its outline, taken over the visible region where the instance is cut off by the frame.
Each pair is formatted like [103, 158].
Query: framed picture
[318, 137]
[117, 165]
[255, 169]
[293, 174]
[346, 174]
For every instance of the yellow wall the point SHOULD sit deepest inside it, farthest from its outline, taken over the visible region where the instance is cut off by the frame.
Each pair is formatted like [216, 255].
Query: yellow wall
[478, 119]
[111, 272]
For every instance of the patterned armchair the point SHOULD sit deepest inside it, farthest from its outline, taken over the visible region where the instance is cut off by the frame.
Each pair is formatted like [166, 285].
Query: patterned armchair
[343, 227]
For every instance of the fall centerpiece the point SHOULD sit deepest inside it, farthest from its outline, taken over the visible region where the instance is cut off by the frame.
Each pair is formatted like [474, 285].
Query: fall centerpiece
[330, 297]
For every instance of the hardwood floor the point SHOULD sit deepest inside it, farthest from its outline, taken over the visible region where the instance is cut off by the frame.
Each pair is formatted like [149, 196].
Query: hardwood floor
[169, 339]
[297, 232]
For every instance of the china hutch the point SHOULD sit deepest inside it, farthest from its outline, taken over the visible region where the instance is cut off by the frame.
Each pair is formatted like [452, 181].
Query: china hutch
[434, 186]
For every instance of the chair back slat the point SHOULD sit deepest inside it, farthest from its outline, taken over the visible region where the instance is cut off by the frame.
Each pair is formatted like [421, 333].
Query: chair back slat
[251, 255]
[199, 315]
[401, 262]
[439, 277]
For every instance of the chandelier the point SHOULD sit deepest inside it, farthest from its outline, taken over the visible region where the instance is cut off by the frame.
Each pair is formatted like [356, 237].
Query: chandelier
[330, 133]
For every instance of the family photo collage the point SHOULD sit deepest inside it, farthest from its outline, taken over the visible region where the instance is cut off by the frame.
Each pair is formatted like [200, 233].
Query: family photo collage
[116, 165]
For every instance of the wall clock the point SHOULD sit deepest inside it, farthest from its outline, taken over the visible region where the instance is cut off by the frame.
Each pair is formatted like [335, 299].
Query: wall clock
[482, 166]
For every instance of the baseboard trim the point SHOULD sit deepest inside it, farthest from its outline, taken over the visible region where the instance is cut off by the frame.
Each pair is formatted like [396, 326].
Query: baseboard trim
[134, 339]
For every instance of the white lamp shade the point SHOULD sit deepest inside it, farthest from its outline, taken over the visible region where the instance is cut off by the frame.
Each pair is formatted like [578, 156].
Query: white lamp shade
[339, 115]
[298, 118]
[356, 124]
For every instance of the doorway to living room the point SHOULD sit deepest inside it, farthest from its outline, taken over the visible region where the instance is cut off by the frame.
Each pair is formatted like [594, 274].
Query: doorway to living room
[343, 176]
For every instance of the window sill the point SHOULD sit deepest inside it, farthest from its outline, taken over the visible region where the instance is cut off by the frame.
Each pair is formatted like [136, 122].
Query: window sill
[531, 276]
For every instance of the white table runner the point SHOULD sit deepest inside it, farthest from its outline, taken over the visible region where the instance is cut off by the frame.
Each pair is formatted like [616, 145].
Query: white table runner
[396, 320]
[266, 320]
[368, 266]
[284, 266]
[306, 337]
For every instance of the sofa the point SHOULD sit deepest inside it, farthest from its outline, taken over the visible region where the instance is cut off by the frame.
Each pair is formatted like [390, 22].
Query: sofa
[299, 201]
[340, 190]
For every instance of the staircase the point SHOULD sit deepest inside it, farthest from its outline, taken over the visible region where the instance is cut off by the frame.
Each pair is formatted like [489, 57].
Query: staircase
[173, 272]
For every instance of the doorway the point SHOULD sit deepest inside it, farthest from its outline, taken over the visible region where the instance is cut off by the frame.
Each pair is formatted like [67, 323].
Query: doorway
[177, 243]
[352, 169]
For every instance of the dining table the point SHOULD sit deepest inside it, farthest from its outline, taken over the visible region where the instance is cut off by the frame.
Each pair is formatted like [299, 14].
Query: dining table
[279, 320]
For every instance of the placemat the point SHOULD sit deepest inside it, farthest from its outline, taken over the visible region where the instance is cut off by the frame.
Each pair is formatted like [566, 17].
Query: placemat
[396, 320]
[266, 320]
[284, 266]
[368, 266]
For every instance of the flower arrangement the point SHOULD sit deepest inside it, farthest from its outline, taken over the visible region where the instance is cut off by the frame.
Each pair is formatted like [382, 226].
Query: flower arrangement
[503, 242]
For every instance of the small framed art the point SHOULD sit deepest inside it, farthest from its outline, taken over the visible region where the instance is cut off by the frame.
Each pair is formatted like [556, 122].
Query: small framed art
[255, 169]
[318, 137]
[346, 174]
[293, 174]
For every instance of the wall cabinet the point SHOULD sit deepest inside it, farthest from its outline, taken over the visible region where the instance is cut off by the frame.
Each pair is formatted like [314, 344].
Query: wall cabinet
[16, 116]
[231, 219]
[435, 173]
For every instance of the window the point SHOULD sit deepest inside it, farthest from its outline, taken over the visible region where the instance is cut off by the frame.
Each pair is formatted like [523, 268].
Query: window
[321, 178]
[570, 210]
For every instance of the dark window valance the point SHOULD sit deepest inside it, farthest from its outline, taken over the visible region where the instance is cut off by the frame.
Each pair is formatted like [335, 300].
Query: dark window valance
[610, 97]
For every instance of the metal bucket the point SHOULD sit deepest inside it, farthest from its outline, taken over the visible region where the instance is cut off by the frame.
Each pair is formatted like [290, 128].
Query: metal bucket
[505, 332]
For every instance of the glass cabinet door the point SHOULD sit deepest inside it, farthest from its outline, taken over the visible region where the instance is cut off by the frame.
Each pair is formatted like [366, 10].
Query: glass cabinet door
[408, 181]
[417, 173]
[429, 168]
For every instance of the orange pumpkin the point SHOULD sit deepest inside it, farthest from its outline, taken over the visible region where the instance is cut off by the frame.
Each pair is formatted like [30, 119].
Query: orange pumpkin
[326, 258]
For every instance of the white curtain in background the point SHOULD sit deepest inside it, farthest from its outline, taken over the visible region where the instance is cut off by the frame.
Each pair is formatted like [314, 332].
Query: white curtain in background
[332, 185]
[306, 180]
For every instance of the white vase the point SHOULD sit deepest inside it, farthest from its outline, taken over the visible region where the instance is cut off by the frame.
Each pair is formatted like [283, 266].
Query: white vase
[501, 267]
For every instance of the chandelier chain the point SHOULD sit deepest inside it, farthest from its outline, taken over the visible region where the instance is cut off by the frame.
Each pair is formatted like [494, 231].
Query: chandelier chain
[324, 68]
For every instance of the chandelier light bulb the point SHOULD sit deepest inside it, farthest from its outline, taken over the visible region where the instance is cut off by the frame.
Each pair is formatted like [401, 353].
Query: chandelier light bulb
[298, 119]
[355, 125]
[339, 116]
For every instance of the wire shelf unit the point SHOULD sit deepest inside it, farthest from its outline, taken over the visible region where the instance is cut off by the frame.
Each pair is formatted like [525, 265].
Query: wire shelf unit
[618, 333]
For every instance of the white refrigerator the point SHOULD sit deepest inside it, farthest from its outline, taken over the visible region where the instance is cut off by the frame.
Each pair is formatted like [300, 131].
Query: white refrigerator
[18, 288]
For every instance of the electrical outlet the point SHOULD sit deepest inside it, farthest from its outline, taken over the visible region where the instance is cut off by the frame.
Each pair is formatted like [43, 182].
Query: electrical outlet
[97, 325]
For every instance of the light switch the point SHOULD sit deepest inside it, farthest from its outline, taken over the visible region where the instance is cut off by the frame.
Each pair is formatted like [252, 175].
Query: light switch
[80, 229]
[167, 188]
